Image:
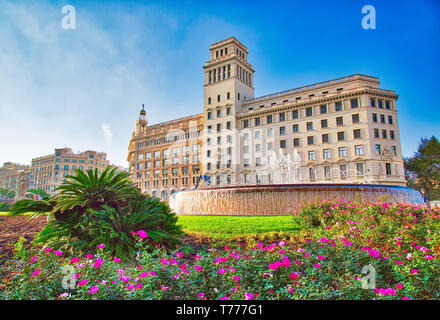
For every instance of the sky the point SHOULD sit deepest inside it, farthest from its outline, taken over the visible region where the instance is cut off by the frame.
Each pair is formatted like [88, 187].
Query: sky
[82, 88]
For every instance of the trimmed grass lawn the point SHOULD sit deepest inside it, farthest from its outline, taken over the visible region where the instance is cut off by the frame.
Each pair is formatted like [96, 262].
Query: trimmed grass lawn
[222, 227]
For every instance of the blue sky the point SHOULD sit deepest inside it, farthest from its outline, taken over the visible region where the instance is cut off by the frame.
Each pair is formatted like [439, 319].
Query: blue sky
[62, 87]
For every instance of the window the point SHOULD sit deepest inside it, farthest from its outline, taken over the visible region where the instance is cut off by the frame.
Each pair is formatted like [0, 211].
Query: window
[387, 104]
[282, 117]
[374, 115]
[380, 103]
[338, 106]
[270, 132]
[246, 149]
[325, 138]
[360, 169]
[354, 103]
[311, 155]
[339, 121]
[393, 150]
[245, 123]
[258, 161]
[156, 154]
[228, 111]
[270, 146]
[258, 134]
[295, 128]
[372, 102]
[269, 119]
[327, 172]
[342, 152]
[378, 149]
[382, 118]
[343, 171]
[355, 118]
[218, 98]
[283, 144]
[209, 128]
[309, 126]
[246, 163]
[209, 100]
[246, 136]
[358, 150]
[310, 140]
[324, 123]
[219, 127]
[228, 95]
[391, 134]
[376, 133]
[209, 115]
[357, 133]
[219, 113]
[258, 147]
[257, 122]
[296, 142]
[326, 154]
[295, 114]
[312, 173]
[388, 168]
[323, 109]
[219, 140]
[309, 112]
[258, 178]
[66, 167]
[390, 119]
[384, 134]
[341, 136]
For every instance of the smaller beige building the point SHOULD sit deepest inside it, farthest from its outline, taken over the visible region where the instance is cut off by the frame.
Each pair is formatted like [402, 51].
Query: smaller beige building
[49, 171]
[11, 175]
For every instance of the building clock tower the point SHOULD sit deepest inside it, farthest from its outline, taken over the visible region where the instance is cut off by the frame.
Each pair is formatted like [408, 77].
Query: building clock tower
[228, 82]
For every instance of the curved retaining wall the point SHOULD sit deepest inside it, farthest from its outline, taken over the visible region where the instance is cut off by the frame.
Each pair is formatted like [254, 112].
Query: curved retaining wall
[269, 200]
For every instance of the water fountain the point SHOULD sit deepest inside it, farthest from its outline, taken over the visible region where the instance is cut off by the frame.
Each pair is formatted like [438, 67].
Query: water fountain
[286, 190]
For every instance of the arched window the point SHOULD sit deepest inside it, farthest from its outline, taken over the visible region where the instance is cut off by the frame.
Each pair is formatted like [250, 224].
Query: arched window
[154, 194]
[163, 195]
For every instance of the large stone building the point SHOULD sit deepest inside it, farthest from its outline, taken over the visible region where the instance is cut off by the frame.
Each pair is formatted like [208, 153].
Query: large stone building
[341, 130]
[166, 157]
[49, 171]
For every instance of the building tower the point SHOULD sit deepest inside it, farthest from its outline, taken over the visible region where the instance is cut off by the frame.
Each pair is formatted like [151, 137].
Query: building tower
[228, 82]
[141, 123]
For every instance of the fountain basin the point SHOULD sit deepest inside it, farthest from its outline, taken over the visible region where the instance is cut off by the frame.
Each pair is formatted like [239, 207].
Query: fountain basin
[279, 199]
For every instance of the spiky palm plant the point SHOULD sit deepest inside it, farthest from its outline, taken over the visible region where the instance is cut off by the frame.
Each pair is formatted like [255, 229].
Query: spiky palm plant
[92, 190]
[113, 228]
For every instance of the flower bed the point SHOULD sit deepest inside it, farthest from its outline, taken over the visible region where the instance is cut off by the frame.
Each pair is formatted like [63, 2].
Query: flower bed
[397, 246]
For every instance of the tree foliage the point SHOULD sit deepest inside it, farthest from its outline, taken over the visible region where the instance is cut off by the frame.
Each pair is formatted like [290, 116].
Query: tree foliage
[423, 168]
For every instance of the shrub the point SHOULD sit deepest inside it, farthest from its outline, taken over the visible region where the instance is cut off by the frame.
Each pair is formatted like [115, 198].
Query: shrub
[5, 206]
[328, 264]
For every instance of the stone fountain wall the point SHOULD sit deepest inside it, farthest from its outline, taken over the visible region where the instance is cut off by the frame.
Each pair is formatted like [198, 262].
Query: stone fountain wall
[270, 200]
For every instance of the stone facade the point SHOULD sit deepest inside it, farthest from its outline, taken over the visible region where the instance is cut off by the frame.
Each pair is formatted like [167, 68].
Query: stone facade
[165, 158]
[337, 131]
[49, 171]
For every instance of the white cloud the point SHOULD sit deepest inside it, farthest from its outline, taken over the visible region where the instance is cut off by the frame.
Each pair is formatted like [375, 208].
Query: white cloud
[107, 133]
